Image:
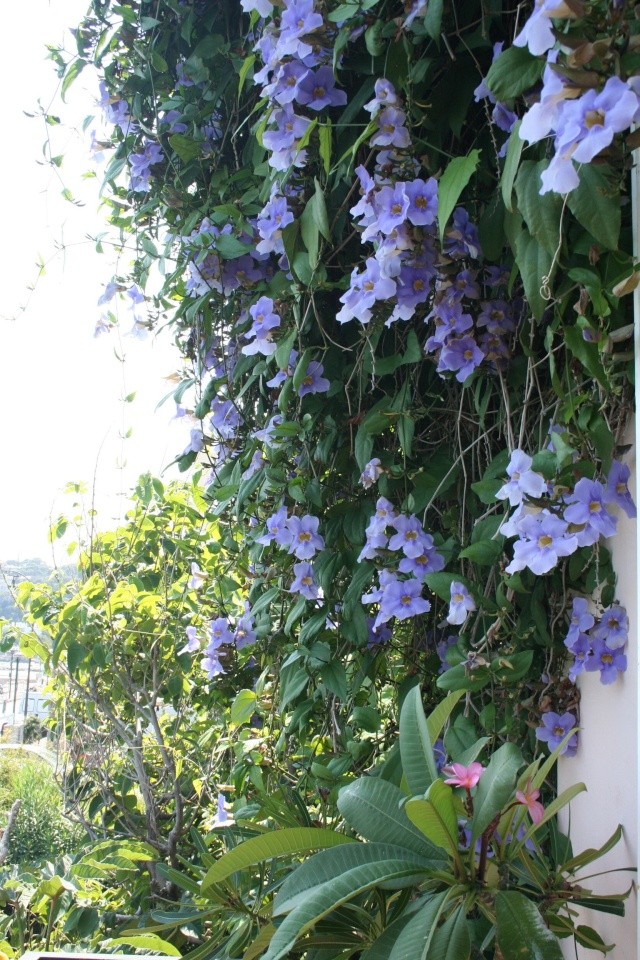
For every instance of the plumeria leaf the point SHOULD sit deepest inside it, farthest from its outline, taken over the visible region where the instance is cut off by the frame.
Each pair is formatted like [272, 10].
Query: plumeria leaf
[278, 843]
[373, 807]
[593, 853]
[495, 787]
[435, 816]
[415, 743]
[439, 716]
[452, 940]
[522, 933]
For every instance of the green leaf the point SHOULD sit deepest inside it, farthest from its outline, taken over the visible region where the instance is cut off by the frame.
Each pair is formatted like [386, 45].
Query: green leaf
[495, 788]
[415, 940]
[587, 353]
[186, 148]
[373, 39]
[76, 653]
[511, 163]
[439, 716]
[534, 263]
[71, 74]
[296, 841]
[405, 427]
[230, 247]
[418, 762]
[595, 204]
[461, 677]
[330, 864]
[451, 184]
[147, 941]
[541, 213]
[591, 939]
[314, 223]
[433, 18]
[243, 707]
[593, 853]
[373, 807]
[334, 677]
[265, 600]
[484, 552]
[329, 896]
[513, 72]
[325, 143]
[435, 816]
[452, 940]
[521, 932]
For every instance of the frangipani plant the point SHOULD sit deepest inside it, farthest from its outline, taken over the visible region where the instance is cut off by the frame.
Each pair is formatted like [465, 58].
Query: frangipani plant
[451, 863]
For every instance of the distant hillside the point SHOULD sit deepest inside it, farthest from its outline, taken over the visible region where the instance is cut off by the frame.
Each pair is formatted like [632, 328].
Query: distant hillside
[14, 572]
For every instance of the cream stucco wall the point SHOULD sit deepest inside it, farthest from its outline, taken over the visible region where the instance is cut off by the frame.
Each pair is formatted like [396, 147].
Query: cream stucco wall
[607, 762]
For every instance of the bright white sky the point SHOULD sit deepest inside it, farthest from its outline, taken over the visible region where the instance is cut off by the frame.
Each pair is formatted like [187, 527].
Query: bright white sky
[60, 389]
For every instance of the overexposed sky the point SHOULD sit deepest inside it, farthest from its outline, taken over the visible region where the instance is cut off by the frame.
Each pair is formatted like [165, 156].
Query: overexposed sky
[61, 390]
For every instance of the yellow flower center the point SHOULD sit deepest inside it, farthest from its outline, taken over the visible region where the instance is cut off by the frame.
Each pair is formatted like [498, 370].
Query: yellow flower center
[545, 541]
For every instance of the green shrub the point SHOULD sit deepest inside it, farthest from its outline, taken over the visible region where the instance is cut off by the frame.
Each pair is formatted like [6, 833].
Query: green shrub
[41, 831]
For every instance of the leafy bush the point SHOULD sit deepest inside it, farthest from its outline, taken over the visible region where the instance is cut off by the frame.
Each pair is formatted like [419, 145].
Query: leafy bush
[41, 830]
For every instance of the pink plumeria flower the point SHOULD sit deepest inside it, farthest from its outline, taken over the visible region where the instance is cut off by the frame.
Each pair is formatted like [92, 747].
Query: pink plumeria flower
[529, 799]
[460, 776]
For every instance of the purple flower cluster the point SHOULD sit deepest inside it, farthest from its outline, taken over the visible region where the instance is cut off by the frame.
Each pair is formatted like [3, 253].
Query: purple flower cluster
[397, 214]
[260, 334]
[133, 302]
[221, 634]
[116, 112]
[400, 598]
[298, 536]
[141, 163]
[597, 646]
[583, 126]
[553, 730]
[296, 69]
[577, 519]
[207, 271]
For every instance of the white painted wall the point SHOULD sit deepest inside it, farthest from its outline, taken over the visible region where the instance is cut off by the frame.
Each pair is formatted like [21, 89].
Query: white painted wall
[607, 762]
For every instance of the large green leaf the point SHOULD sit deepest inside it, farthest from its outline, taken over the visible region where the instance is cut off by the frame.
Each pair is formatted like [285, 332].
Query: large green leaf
[451, 941]
[434, 815]
[329, 864]
[541, 213]
[451, 184]
[373, 807]
[324, 899]
[438, 717]
[534, 264]
[418, 934]
[513, 72]
[495, 787]
[279, 843]
[595, 204]
[381, 948]
[522, 933]
[148, 941]
[510, 169]
[418, 763]
[592, 853]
